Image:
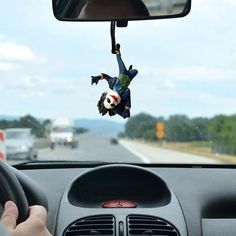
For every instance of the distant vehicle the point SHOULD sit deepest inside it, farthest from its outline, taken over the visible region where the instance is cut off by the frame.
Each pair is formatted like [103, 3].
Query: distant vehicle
[20, 144]
[63, 133]
[114, 141]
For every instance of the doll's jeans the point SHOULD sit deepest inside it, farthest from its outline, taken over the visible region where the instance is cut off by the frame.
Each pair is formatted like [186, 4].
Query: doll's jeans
[122, 68]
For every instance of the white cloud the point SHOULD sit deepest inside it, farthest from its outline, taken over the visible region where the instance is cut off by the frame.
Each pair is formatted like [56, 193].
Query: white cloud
[2, 36]
[213, 100]
[191, 73]
[32, 82]
[204, 103]
[33, 94]
[16, 52]
[201, 73]
[233, 2]
[26, 85]
[191, 103]
[156, 77]
[209, 8]
[6, 66]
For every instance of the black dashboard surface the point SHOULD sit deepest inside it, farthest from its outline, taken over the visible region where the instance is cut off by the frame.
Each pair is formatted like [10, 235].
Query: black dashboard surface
[206, 196]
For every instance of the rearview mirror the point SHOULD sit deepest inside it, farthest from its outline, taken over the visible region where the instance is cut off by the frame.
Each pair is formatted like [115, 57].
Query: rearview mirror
[115, 10]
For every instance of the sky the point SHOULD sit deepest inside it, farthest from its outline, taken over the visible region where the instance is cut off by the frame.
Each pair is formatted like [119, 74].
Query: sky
[186, 65]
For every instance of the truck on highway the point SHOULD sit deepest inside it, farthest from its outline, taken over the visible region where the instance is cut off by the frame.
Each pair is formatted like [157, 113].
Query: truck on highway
[63, 132]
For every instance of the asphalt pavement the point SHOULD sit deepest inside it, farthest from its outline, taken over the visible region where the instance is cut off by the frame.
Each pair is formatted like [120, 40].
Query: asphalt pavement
[91, 147]
[96, 148]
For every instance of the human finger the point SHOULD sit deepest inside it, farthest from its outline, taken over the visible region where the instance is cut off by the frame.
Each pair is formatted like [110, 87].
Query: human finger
[38, 214]
[10, 215]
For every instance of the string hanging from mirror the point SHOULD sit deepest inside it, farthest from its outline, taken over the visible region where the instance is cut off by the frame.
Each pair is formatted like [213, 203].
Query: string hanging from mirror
[113, 37]
[120, 23]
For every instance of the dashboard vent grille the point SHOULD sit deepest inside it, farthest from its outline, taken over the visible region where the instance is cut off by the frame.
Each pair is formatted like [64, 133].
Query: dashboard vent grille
[93, 225]
[149, 225]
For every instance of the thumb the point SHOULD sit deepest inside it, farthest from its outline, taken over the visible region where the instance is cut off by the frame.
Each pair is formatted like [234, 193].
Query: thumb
[10, 215]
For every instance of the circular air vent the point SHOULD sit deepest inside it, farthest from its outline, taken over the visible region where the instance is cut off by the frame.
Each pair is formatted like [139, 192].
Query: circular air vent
[93, 225]
[149, 225]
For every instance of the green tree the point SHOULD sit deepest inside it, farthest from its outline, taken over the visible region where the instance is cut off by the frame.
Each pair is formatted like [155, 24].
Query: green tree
[200, 129]
[81, 130]
[4, 124]
[29, 121]
[179, 128]
[141, 126]
[222, 132]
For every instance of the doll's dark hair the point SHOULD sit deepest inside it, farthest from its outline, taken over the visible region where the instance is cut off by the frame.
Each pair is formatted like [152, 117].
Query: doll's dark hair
[102, 109]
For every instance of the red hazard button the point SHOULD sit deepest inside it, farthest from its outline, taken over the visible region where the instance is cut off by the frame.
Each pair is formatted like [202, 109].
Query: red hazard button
[119, 204]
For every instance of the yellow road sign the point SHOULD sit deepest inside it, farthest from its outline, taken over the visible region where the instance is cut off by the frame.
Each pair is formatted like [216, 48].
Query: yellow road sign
[160, 130]
[160, 134]
[160, 126]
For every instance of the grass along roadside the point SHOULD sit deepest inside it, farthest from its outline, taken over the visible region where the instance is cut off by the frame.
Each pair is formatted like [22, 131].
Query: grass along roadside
[42, 143]
[197, 148]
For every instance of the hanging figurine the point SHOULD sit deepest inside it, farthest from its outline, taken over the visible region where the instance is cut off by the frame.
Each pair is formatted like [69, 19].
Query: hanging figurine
[117, 99]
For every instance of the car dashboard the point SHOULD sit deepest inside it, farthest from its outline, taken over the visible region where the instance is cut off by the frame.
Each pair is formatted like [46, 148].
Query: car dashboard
[125, 199]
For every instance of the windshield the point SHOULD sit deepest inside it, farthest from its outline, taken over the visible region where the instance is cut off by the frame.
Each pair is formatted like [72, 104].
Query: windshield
[181, 98]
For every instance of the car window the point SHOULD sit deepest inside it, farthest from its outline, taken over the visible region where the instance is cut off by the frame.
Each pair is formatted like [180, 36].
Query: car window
[182, 101]
[16, 135]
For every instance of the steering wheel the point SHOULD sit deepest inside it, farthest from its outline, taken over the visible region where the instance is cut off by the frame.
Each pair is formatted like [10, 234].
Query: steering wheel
[11, 189]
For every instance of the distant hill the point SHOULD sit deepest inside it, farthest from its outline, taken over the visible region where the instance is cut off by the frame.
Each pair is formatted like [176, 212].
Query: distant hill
[101, 127]
[8, 118]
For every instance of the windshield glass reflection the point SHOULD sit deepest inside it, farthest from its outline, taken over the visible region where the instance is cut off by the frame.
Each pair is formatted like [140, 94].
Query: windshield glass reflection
[182, 101]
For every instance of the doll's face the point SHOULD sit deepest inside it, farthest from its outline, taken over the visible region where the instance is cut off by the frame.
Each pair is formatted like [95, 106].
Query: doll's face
[112, 99]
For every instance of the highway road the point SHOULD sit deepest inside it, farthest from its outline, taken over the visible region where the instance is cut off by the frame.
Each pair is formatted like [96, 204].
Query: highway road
[96, 148]
[91, 148]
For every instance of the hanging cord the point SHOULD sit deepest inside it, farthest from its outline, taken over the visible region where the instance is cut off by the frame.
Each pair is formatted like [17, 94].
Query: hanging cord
[113, 37]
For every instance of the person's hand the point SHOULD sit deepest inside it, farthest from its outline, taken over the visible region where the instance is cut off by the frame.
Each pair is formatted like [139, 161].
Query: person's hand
[35, 225]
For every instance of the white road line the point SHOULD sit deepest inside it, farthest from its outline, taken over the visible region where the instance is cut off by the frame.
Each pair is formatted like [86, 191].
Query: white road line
[143, 158]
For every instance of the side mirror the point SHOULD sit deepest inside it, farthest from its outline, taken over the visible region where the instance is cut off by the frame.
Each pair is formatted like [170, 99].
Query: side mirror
[115, 10]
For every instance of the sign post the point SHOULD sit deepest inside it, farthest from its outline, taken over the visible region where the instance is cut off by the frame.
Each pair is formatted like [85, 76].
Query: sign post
[2, 146]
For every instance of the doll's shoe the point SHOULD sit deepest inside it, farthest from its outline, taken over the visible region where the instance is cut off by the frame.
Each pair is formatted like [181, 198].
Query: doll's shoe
[118, 47]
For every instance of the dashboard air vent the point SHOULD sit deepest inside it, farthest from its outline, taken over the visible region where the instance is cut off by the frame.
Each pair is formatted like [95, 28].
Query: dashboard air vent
[93, 225]
[149, 225]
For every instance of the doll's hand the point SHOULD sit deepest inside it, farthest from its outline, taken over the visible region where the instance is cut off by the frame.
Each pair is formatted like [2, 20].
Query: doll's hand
[126, 113]
[102, 110]
[95, 79]
[111, 112]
